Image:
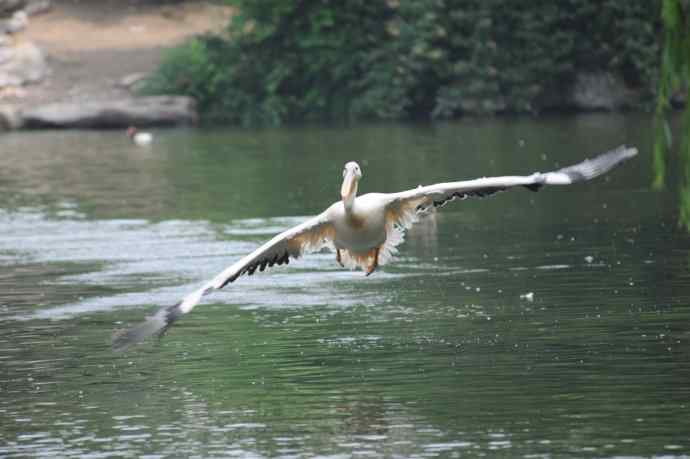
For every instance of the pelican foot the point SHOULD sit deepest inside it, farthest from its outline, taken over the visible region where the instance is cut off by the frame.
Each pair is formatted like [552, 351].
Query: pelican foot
[374, 264]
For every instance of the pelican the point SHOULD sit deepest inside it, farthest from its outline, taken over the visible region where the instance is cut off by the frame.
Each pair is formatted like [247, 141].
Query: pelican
[364, 231]
[140, 139]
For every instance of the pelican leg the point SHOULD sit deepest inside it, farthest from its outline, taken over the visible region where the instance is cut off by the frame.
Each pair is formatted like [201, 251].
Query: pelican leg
[375, 263]
[338, 259]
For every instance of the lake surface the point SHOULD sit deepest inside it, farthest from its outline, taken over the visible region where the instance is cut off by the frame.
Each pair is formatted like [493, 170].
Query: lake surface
[441, 354]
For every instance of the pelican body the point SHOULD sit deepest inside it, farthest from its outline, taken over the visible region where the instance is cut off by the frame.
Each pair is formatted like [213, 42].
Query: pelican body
[359, 223]
[361, 228]
[365, 230]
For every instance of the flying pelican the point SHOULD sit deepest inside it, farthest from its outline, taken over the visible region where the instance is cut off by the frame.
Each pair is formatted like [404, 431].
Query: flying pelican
[140, 139]
[365, 230]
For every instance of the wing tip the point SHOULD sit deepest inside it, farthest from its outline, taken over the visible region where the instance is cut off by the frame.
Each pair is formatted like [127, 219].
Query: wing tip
[155, 325]
[623, 151]
[617, 155]
[599, 165]
[630, 151]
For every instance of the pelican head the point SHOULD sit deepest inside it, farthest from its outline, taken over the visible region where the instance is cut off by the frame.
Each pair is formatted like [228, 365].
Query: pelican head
[351, 175]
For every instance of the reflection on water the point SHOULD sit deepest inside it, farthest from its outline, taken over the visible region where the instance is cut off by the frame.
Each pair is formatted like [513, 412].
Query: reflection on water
[439, 355]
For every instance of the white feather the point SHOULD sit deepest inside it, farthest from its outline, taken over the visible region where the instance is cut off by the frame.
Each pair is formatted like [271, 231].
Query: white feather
[142, 138]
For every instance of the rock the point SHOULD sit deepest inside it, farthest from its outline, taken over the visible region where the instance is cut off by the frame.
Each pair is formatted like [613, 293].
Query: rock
[38, 7]
[133, 81]
[141, 112]
[7, 7]
[16, 23]
[14, 92]
[10, 118]
[21, 64]
[601, 91]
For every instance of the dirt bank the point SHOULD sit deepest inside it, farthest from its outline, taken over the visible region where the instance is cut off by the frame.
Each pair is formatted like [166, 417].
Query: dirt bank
[91, 45]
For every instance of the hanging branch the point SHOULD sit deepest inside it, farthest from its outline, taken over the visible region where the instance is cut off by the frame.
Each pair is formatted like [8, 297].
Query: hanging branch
[675, 70]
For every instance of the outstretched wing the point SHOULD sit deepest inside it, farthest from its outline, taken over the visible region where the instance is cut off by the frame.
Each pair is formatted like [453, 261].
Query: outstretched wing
[309, 236]
[404, 208]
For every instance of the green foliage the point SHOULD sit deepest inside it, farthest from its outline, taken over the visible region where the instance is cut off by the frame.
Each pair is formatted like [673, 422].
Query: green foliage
[674, 76]
[398, 59]
[187, 68]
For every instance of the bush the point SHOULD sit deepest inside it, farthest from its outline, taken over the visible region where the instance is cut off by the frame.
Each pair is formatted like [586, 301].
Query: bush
[390, 59]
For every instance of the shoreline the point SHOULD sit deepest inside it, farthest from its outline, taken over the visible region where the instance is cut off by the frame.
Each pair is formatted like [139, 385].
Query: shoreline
[109, 46]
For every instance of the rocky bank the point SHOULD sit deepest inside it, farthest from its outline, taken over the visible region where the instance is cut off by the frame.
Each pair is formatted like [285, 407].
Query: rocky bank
[76, 63]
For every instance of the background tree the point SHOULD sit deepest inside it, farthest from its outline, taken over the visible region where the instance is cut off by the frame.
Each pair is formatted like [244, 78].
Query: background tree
[387, 59]
[674, 77]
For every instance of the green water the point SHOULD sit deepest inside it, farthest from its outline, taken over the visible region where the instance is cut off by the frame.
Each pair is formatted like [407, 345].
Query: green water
[437, 355]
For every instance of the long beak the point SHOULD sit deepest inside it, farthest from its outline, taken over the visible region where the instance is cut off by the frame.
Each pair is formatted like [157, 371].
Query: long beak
[349, 182]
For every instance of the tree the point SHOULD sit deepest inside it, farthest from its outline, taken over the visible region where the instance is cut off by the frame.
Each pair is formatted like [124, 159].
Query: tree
[284, 61]
[674, 76]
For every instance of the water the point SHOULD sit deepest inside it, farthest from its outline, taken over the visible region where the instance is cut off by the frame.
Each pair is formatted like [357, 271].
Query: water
[443, 354]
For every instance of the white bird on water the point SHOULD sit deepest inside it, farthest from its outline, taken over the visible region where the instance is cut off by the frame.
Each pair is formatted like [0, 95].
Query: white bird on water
[141, 139]
[365, 230]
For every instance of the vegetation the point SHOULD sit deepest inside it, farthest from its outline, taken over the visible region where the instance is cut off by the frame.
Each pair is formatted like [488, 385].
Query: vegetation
[674, 76]
[389, 59]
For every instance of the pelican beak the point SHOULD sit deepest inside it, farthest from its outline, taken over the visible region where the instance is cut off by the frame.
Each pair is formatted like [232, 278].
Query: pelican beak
[349, 182]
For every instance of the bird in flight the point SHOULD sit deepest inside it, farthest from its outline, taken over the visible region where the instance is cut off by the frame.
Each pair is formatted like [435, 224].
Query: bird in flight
[364, 231]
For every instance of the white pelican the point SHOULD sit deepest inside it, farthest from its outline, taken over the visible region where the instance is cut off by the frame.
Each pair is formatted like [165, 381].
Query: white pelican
[141, 139]
[365, 230]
